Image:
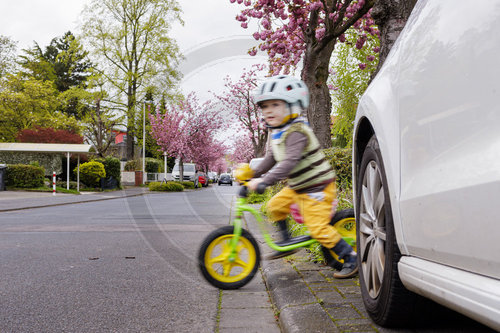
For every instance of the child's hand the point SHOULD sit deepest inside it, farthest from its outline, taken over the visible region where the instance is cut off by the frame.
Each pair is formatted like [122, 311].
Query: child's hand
[252, 185]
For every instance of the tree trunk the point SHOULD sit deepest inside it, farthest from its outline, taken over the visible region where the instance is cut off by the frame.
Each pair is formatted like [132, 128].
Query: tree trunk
[315, 75]
[390, 17]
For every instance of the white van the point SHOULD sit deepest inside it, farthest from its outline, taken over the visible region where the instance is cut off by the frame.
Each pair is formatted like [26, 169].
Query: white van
[189, 171]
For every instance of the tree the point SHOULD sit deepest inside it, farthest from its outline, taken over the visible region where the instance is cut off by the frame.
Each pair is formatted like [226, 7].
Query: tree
[187, 131]
[7, 55]
[64, 62]
[308, 30]
[130, 40]
[152, 148]
[238, 101]
[26, 103]
[243, 151]
[48, 135]
[390, 17]
[98, 116]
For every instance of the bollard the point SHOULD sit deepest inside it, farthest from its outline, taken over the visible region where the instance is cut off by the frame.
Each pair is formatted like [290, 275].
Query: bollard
[54, 183]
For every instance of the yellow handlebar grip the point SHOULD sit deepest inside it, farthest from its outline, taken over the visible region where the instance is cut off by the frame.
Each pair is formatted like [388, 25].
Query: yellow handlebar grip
[243, 172]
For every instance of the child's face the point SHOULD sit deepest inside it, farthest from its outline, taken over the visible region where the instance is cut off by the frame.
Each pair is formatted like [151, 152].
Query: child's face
[274, 111]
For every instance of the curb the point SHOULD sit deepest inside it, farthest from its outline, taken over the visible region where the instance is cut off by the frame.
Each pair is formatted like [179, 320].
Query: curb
[69, 203]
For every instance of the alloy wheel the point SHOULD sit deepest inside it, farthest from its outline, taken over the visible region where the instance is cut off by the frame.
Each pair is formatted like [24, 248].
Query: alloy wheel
[372, 229]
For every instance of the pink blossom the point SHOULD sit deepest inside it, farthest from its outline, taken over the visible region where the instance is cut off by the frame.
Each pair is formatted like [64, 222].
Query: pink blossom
[376, 49]
[370, 57]
[362, 66]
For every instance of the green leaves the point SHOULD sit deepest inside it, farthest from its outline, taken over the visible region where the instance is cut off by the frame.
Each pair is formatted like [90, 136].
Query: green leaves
[352, 72]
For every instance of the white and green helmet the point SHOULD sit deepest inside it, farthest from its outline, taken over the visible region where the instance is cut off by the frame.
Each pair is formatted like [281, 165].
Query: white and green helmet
[283, 87]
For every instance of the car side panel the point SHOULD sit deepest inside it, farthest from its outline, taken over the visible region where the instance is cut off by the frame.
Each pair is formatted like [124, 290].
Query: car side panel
[379, 106]
[450, 135]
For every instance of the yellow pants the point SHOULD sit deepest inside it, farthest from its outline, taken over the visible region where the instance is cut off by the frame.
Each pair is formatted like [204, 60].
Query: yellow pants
[315, 208]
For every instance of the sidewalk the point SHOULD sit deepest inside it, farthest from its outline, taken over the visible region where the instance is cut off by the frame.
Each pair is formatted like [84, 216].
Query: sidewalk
[307, 298]
[17, 200]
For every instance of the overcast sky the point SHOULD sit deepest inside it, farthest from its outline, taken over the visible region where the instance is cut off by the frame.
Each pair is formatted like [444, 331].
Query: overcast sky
[207, 22]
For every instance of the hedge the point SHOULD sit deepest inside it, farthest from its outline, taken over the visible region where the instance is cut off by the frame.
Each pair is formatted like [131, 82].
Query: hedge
[152, 165]
[91, 173]
[167, 187]
[24, 176]
[51, 162]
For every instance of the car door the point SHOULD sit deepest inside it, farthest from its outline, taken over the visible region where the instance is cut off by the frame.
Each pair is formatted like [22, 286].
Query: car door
[450, 135]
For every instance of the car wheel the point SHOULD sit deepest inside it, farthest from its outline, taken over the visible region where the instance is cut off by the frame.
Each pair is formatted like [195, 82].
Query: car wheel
[386, 300]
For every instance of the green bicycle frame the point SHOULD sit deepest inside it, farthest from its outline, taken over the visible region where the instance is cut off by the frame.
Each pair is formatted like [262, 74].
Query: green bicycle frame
[241, 207]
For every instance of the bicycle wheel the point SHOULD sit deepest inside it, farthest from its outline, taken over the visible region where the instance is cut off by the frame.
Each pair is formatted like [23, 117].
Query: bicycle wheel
[214, 263]
[345, 223]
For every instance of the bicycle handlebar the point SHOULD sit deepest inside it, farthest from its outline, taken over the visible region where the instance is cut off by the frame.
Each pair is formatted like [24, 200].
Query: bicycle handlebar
[261, 188]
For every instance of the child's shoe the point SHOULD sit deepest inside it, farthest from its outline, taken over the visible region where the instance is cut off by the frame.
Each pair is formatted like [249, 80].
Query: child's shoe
[345, 251]
[285, 239]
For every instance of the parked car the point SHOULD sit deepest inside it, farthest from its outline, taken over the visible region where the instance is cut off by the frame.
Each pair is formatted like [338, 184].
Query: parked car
[426, 167]
[225, 178]
[212, 176]
[254, 162]
[189, 172]
[202, 179]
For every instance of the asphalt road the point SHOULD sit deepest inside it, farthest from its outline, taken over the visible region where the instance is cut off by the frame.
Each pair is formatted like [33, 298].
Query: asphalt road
[124, 265]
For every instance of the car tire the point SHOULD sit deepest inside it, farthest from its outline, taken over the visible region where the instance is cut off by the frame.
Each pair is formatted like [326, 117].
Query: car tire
[386, 300]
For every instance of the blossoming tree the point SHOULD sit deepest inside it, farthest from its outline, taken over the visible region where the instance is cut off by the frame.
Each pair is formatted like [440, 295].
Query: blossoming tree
[187, 131]
[238, 102]
[307, 30]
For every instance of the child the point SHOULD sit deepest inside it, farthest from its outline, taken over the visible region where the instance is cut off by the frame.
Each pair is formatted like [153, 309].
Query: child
[294, 153]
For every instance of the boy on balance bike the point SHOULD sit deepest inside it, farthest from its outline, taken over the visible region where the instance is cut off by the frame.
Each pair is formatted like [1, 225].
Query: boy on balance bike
[295, 154]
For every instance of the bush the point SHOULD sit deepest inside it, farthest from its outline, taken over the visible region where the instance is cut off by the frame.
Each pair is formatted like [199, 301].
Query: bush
[189, 185]
[91, 173]
[133, 165]
[167, 187]
[111, 166]
[341, 161]
[153, 165]
[24, 176]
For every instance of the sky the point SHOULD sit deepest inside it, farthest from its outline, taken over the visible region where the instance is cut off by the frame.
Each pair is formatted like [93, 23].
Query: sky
[212, 41]
[210, 34]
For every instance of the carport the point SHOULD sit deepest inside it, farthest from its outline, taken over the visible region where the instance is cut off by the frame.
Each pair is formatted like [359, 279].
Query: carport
[61, 148]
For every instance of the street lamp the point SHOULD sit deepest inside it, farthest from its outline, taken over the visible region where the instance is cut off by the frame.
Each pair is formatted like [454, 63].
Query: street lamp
[144, 143]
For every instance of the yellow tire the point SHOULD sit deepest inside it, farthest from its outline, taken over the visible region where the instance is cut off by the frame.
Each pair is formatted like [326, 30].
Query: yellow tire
[345, 223]
[214, 259]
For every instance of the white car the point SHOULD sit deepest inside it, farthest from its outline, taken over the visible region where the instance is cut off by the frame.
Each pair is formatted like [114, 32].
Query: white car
[188, 172]
[426, 167]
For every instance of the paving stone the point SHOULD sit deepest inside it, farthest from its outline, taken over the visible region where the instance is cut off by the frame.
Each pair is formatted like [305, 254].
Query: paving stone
[358, 325]
[291, 294]
[331, 298]
[344, 311]
[237, 299]
[248, 320]
[309, 318]
[312, 276]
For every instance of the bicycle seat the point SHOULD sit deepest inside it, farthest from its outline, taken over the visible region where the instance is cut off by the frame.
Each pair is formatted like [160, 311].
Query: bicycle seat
[294, 240]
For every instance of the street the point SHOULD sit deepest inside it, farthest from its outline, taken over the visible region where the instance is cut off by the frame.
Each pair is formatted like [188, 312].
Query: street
[130, 265]
[115, 265]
